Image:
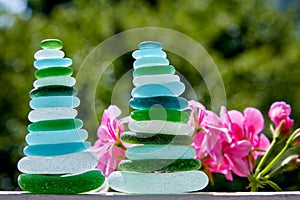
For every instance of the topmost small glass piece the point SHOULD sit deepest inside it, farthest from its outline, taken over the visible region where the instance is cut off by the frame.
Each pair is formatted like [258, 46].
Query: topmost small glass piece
[51, 44]
[150, 45]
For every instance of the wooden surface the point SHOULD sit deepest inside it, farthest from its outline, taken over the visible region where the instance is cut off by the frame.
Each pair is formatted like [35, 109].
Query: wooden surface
[4, 195]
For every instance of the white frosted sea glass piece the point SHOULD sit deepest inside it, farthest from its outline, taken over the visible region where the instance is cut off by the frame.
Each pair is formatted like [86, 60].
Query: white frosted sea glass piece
[51, 113]
[48, 53]
[149, 79]
[55, 80]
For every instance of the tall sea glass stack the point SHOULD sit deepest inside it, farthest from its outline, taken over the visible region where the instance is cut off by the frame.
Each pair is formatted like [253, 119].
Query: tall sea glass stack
[57, 160]
[163, 161]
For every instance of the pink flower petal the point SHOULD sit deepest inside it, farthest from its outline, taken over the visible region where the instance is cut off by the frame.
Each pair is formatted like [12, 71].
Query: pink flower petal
[254, 122]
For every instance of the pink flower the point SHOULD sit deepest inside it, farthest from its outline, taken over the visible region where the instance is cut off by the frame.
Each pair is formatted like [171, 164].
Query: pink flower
[280, 111]
[108, 146]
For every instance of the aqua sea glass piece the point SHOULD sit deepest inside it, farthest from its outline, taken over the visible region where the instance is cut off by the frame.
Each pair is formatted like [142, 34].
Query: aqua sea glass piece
[160, 126]
[54, 101]
[56, 137]
[55, 149]
[158, 183]
[49, 53]
[150, 61]
[53, 90]
[150, 45]
[54, 125]
[65, 164]
[51, 113]
[66, 184]
[148, 138]
[55, 80]
[52, 62]
[161, 78]
[148, 53]
[160, 114]
[154, 90]
[143, 71]
[176, 103]
[51, 44]
[144, 152]
[163, 165]
[53, 71]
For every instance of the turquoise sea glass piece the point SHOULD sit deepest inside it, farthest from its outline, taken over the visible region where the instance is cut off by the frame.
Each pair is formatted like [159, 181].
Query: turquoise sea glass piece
[53, 71]
[55, 80]
[65, 164]
[148, 138]
[51, 113]
[150, 45]
[53, 90]
[161, 78]
[154, 90]
[176, 103]
[54, 101]
[51, 44]
[66, 184]
[154, 70]
[150, 61]
[49, 53]
[144, 152]
[52, 62]
[56, 137]
[148, 53]
[55, 149]
[158, 183]
[163, 165]
[54, 125]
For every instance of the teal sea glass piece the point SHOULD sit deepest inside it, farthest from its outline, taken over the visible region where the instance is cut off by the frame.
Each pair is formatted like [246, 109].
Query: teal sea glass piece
[54, 125]
[148, 53]
[51, 44]
[148, 138]
[163, 165]
[54, 101]
[67, 184]
[160, 114]
[53, 90]
[154, 70]
[65, 164]
[161, 78]
[154, 90]
[52, 62]
[49, 53]
[55, 149]
[150, 45]
[150, 62]
[56, 137]
[158, 183]
[53, 71]
[55, 81]
[51, 113]
[176, 103]
[144, 152]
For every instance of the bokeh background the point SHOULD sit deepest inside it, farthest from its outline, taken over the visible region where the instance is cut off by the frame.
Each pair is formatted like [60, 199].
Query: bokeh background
[254, 43]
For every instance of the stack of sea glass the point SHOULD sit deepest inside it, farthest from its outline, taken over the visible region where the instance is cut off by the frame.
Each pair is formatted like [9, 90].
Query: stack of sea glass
[162, 162]
[57, 159]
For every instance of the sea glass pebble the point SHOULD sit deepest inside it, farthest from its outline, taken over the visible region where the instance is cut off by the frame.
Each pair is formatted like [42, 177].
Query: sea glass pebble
[51, 113]
[159, 126]
[54, 101]
[143, 71]
[49, 53]
[51, 44]
[52, 62]
[65, 164]
[150, 61]
[53, 90]
[148, 138]
[56, 137]
[158, 183]
[154, 90]
[148, 53]
[55, 80]
[176, 103]
[53, 71]
[67, 184]
[160, 114]
[150, 45]
[163, 165]
[160, 152]
[161, 78]
[55, 149]
[54, 125]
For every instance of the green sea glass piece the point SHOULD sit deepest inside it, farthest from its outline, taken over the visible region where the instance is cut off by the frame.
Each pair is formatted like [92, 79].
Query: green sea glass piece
[164, 165]
[53, 125]
[160, 114]
[53, 90]
[148, 138]
[68, 184]
[167, 69]
[51, 44]
[53, 71]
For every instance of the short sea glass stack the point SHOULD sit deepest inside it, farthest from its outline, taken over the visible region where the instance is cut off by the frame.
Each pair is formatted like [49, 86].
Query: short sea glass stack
[57, 160]
[163, 161]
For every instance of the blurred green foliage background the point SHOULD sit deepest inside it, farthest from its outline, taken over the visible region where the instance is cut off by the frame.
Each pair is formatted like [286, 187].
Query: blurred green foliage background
[254, 43]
